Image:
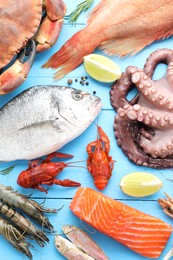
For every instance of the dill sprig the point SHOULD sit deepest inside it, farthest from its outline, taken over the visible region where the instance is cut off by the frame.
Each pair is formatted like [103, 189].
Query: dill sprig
[82, 7]
[7, 170]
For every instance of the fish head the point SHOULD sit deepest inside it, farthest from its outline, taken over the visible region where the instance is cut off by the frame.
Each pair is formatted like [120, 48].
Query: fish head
[68, 228]
[77, 109]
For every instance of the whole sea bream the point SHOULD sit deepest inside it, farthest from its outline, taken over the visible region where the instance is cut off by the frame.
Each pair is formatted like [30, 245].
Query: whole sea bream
[42, 119]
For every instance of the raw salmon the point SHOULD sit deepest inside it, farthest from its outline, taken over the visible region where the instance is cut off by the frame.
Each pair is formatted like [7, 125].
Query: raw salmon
[118, 27]
[140, 232]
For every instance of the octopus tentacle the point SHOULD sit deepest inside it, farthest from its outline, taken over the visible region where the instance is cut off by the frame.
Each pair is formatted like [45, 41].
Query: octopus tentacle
[148, 116]
[151, 90]
[159, 146]
[122, 125]
[123, 86]
[159, 56]
[143, 126]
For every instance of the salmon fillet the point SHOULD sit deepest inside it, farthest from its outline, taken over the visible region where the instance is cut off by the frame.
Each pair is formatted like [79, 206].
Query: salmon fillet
[138, 231]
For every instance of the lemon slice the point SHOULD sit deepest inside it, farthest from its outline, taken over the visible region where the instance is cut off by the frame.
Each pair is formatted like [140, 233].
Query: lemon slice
[101, 68]
[140, 184]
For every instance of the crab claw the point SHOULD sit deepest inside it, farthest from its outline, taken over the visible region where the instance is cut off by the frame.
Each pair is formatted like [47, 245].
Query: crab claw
[51, 25]
[57, 10]
[15, 75]
[48, 34]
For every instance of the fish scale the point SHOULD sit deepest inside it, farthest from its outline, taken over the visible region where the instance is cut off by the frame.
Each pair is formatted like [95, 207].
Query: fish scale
[42, 119]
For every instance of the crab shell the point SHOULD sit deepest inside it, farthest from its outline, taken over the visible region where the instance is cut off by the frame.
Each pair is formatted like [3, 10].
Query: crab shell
[25, 31]
[19, 21]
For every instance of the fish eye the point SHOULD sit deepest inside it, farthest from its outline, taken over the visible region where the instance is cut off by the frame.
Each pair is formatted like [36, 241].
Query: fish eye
[77, 96]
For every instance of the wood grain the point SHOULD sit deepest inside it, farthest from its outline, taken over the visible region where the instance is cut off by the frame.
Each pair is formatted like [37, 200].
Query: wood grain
[59, 196]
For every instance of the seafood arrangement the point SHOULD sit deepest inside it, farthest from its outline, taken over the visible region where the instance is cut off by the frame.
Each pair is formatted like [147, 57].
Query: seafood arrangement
[16, 33]
[44, 123]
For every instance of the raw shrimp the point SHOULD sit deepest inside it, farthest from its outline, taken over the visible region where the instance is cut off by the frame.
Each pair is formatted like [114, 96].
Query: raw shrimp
[14, 237]
[30, 207]
[24, 224]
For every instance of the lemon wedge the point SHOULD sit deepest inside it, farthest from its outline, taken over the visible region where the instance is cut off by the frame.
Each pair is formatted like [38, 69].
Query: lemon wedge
[140, 184]
[101, 68]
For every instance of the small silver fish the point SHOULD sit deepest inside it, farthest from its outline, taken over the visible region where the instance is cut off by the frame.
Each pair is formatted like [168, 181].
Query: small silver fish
[83, 241]
[69, 250]
[42, 119]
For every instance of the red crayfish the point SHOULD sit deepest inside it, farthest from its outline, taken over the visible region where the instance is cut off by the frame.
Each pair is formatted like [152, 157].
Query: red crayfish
[45, 173]
[99, 163]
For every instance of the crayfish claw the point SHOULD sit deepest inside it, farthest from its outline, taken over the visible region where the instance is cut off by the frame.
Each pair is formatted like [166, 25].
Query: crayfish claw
[57, 155]
[67, 183]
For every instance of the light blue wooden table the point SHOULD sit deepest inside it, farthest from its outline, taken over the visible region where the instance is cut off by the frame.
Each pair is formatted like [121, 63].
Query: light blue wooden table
[59, 196]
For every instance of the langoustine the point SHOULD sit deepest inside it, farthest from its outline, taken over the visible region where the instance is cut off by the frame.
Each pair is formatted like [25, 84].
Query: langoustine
[143, 125]
[135, 25]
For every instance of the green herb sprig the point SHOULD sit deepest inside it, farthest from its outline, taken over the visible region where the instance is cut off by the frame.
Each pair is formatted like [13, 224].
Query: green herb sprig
[7, 170]
[82, 7]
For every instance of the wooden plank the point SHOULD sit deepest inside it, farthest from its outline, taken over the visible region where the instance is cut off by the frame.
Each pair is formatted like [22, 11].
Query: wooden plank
[112, 248]
[59, 196]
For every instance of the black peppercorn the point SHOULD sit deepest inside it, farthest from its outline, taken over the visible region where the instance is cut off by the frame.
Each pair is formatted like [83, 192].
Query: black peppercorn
[69, 81]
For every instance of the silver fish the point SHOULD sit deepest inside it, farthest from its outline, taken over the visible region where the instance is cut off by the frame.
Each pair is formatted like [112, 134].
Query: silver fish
[69, 250]
[42, 119]
[81, 239]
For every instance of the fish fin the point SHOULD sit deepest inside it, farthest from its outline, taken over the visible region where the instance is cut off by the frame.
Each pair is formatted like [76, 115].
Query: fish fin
[65, 60]
[123, 47]
[69, 56]
[97, 9]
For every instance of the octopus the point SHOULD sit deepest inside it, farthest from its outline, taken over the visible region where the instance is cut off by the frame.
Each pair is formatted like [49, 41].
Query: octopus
[143, 126]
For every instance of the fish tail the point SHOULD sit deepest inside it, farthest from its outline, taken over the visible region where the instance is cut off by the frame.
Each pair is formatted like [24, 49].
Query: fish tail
[70, 55]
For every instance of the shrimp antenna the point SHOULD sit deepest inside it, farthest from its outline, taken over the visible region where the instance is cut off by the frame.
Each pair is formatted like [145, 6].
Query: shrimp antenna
[73, 166]
[77, 165]
[97, 124]
[75, 162]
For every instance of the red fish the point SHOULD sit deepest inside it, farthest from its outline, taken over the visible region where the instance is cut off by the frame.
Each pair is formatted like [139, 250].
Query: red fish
[140, 232]
[118, 27]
